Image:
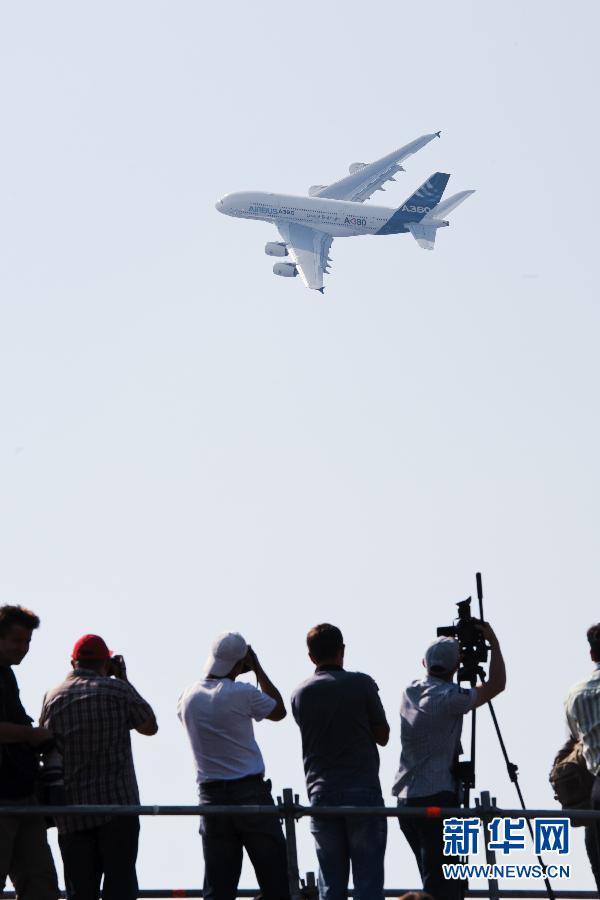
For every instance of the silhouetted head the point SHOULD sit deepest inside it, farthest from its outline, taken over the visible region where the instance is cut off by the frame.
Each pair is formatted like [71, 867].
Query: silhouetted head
[593, 636]
[416, 895]
[325, 645]
[91, 652]
[442, 658]
[227, 656]
[16, 627]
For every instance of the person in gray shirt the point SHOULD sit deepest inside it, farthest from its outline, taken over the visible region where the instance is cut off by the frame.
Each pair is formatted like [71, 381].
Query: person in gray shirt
[431, 716]
[342, 721]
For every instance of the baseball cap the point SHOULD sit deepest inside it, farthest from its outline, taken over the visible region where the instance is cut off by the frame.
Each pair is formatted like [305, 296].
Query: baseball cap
[442, 655]
[227, 649]
[90, 646]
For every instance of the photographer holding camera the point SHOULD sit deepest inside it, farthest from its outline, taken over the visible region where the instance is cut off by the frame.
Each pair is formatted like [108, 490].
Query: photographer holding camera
[217, 714]
[90, 715]
[431, 717]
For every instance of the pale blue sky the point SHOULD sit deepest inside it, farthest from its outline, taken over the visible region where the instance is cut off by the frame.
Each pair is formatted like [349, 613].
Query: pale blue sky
[189, 444]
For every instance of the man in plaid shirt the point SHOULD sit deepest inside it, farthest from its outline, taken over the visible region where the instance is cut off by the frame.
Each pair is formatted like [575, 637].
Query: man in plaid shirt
[90, 716]
[582, 707]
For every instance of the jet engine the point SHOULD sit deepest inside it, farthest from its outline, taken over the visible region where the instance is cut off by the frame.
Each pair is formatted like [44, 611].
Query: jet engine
[286, 269]
[276, 248]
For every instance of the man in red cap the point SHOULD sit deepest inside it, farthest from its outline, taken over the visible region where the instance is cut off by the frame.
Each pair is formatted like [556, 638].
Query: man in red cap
[90, 716]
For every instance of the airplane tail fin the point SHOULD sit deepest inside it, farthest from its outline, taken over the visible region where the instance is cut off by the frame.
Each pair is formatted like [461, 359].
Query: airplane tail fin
[427, 196]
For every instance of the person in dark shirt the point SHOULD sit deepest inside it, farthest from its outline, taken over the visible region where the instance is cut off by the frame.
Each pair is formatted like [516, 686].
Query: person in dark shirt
[24, 852]
[341, 721]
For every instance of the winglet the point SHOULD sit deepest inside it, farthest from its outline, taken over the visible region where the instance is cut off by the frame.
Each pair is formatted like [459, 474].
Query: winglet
[321, 290]
[438, 133]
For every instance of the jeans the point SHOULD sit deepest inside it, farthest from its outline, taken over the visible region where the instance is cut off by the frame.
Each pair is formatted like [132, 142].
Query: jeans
[356, 840]
[110, 850]
[425, 837]
[25, 855]
[225, 837]
[592, 835]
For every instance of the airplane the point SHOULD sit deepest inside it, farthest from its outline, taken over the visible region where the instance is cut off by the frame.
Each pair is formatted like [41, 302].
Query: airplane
[307, 225]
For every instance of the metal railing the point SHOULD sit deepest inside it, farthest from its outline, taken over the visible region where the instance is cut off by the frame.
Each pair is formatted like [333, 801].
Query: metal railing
[290, 811]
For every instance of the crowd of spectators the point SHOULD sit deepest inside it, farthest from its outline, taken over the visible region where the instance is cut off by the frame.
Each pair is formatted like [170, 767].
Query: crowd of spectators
[83, 741]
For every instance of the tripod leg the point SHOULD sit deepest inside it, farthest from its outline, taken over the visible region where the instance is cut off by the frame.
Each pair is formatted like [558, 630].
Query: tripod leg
[512, 770]
[486, 802]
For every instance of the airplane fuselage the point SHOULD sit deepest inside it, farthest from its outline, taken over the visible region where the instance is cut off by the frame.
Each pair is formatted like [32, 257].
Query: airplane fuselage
[339, 218]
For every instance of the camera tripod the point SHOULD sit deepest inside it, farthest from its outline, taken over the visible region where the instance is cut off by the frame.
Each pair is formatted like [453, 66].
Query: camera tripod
[466, 768]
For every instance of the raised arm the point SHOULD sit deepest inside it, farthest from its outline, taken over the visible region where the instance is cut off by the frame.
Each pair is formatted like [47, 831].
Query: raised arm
[497, 678]
[267, 687]
[139, 707]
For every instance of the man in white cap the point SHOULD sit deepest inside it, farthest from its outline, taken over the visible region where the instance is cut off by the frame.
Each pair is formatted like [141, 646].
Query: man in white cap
[217, 713]
[431, 716]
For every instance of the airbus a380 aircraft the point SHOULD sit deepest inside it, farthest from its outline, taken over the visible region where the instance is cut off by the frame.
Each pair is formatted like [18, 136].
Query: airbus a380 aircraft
[307, 225]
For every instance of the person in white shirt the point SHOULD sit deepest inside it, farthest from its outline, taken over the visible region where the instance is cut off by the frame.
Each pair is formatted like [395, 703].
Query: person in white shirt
[582, 708]
[217, 713]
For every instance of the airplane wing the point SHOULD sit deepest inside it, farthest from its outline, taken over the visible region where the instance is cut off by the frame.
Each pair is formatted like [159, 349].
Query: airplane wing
[366, 178]
[309, 248]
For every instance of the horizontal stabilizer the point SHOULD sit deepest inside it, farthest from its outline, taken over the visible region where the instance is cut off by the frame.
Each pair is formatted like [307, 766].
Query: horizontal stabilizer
[447, 206]
[314, 189]
[424, 234]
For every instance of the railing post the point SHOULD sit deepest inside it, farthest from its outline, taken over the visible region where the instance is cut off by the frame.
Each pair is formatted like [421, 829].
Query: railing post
[287, 811]
[311, 886]
[487, 802]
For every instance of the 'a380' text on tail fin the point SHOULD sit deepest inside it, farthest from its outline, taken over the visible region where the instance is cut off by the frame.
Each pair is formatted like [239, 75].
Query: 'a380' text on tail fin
[423, 201]
[427, 196]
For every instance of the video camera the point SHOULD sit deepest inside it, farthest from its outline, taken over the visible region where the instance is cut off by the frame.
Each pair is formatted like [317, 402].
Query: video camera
[473, 649]
[473, 652]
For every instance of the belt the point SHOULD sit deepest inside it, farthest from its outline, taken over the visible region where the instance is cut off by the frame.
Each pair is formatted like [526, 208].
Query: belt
[227, 781]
